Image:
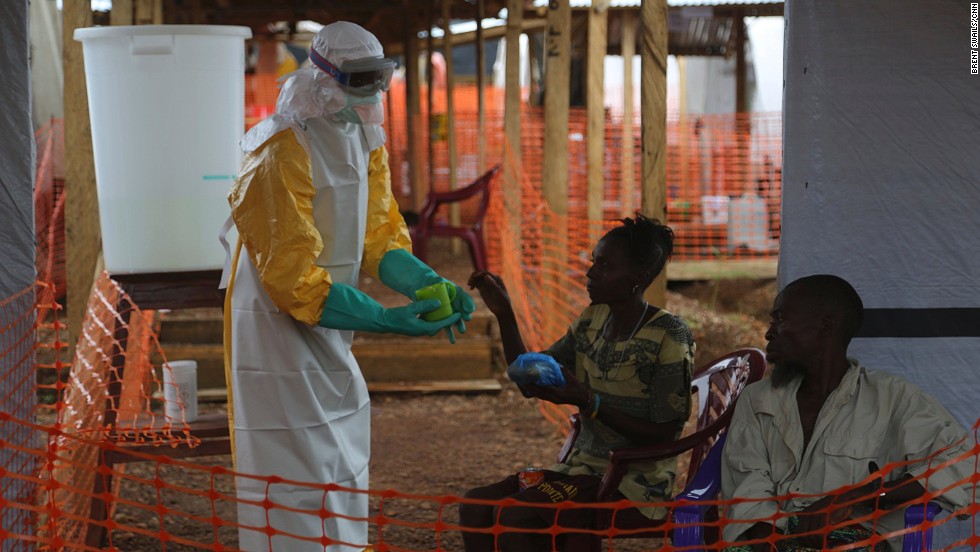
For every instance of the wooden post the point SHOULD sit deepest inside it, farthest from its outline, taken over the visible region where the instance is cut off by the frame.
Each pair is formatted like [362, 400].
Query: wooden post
[391, 144]
[148, 12]
[413, 107]
[628, 46]
[743, 125]
[554, 173]
[512, 120]
[481, 116]
[121, 12]
[83, 244]
[738, 24]
[653, 106]
[447, 48]
[685, 178]
[596, 113]
[268, 62]
[536, 69]
[430, 93]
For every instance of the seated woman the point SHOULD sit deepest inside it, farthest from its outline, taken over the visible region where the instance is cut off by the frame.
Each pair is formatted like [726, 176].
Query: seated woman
[627, 366]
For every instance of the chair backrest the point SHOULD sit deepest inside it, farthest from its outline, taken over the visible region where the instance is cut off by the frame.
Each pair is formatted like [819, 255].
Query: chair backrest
[479, 186]
[718, 384]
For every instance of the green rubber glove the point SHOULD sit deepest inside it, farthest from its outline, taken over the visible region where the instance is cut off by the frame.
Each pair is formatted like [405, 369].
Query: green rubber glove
[348, 308]
[405, 273]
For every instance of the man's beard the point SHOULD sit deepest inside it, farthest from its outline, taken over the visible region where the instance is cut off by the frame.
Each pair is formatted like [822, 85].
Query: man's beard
[785, 372]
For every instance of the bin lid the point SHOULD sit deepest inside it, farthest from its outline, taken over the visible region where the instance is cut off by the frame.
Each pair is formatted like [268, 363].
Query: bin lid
[116, 31]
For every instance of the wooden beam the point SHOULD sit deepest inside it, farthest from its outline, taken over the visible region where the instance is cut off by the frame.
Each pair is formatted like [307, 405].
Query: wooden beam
[628, 47]
[413, 107]
[596, 114]
[82, 234]
[653, 106]
[554, 173]
[470, 36]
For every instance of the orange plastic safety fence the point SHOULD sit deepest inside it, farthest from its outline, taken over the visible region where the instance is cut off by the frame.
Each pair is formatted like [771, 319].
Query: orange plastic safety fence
[62, 454]
[49, 204]
[712, 162]
[61, 421]
[724, 171]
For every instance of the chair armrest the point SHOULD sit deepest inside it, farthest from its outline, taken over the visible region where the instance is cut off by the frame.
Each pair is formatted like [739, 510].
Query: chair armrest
[576, 428]
[915, 516]
[620, 459]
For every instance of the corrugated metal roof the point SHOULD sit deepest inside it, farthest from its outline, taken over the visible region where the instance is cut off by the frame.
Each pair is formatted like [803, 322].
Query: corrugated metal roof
[695, 27]
[671, 3]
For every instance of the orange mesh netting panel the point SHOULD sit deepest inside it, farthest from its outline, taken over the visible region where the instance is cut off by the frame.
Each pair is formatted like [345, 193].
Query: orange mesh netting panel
[18, 399]
[724, 171]
[55, 464]
[49, 204]
[87, 452]
[106, 398]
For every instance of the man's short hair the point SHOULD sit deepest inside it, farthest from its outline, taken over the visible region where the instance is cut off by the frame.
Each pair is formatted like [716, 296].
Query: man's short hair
[834, 294]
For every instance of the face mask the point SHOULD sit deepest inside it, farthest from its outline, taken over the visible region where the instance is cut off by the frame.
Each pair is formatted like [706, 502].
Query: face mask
[362, 110]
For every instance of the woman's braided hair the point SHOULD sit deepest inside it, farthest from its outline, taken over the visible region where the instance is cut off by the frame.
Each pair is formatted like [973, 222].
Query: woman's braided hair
[649, 244]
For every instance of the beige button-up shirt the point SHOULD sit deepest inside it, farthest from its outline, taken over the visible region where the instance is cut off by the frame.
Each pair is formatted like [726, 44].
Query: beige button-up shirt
[871, 416]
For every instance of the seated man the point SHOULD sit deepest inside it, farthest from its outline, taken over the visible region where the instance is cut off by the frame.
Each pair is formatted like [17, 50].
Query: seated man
[822, 422]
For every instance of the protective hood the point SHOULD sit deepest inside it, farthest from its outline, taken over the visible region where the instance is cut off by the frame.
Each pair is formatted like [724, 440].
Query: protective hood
[311, 92]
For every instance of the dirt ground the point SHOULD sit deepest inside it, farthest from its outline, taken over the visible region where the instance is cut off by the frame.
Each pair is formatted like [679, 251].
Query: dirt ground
[434, 445]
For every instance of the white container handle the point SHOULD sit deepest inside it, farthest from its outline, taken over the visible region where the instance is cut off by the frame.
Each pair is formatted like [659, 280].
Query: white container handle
[151, 45]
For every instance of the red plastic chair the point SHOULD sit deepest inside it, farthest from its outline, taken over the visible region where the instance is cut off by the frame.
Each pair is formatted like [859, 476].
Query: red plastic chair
[429, 226]
[717, 386]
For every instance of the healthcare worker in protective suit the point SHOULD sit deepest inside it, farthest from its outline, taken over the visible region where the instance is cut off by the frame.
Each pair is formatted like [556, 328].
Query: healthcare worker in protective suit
[313, 206]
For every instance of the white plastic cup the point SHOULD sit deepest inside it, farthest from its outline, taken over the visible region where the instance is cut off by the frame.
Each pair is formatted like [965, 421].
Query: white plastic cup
[167, 107]
[180, 388]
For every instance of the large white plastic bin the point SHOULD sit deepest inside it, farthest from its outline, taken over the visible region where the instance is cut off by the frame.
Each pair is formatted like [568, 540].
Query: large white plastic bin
[167, 105]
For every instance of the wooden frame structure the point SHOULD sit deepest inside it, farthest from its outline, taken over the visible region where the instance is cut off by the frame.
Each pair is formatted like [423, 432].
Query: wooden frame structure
[398, 24]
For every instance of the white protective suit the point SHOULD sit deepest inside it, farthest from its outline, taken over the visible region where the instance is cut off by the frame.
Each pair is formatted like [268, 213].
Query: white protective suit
[312, 203]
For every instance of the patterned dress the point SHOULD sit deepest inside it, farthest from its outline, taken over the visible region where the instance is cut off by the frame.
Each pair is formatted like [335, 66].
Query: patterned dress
[648, 377]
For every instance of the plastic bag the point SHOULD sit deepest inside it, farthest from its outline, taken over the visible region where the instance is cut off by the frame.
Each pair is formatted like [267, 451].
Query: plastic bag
[536, 369]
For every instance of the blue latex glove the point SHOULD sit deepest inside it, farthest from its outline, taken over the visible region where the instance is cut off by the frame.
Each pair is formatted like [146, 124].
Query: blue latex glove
[405, 273]
[348, 308]
[536, 369]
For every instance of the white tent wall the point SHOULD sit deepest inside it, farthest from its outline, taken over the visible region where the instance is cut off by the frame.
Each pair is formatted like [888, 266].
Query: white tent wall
[881, 183]
[16, 151]
[710, 83]
[16, 263]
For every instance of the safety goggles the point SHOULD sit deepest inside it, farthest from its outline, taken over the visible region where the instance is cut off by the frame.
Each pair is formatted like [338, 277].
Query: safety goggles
[359, 76]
